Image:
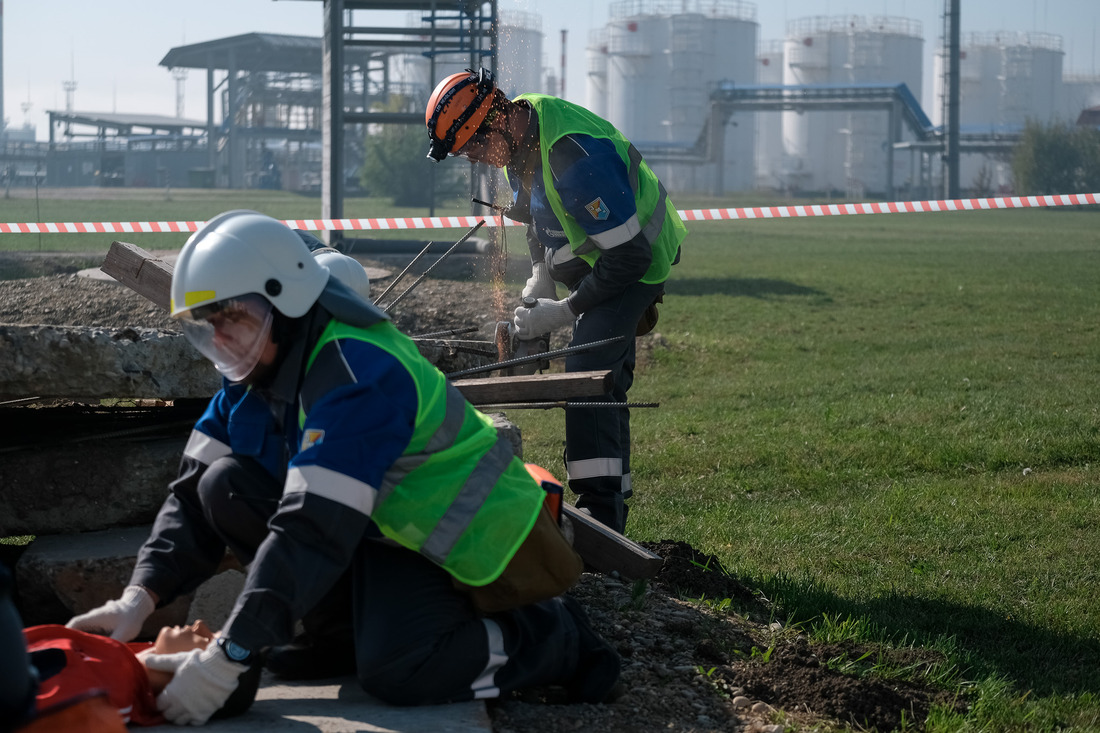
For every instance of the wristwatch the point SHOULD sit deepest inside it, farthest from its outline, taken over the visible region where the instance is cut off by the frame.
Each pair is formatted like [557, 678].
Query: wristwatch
[236, 652]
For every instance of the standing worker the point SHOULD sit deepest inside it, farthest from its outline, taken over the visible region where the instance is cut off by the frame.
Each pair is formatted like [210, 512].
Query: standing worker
[598, 221]
[361, 491]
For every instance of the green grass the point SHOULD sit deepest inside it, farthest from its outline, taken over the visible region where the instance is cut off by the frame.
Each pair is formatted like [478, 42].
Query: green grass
[892, 419]
[887, 423]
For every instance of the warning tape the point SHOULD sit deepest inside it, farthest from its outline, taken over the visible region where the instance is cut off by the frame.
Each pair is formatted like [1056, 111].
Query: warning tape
[462, 222]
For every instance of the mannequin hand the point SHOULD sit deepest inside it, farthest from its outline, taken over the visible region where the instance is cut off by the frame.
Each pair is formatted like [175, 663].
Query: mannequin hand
[121, 618]
[545, 317]
[203, 680]
[540, 284]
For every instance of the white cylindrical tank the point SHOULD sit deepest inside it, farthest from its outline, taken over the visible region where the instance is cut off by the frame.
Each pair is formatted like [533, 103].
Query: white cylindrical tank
[1006, 78]
[595, 93]
[846, 151]
[1079, 92]
[519, 59]
[663, 59]
[769, 134]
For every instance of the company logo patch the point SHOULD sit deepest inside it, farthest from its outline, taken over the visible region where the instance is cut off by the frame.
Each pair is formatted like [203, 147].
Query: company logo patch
[311, 438]
[598, 209]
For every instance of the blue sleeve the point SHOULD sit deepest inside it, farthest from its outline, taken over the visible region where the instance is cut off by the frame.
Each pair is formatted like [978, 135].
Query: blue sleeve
[366, 426]
[182, 549]
[594, 185]
[215, 420]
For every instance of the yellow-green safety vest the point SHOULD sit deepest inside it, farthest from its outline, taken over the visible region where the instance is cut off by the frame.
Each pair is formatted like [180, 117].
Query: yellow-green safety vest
[661, 225]
[458, 495]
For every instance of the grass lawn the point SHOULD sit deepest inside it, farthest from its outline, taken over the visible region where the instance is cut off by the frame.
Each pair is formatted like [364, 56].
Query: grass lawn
[886, 423]
[891, 420]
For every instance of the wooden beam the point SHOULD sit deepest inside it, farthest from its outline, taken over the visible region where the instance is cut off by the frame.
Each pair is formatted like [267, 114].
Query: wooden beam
[606, 550]
[535, 387]
[140, 271]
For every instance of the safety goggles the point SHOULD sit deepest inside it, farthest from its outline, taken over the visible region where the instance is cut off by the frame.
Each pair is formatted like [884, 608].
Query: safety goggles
[231, 333]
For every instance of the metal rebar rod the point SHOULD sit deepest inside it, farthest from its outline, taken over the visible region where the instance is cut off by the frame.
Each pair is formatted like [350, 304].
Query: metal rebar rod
[431, 267]
[536, 357]
[402, 274]
[448, 332]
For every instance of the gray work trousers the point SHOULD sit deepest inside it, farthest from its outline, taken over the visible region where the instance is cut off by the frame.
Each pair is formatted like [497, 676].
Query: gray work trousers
[597, 439]
[417, 638]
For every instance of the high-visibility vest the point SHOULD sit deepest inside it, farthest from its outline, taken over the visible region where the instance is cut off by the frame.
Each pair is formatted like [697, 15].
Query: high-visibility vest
[661, 225]
[458, 495]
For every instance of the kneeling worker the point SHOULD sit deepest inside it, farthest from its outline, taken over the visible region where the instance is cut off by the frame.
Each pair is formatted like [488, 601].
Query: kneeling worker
[365, 495]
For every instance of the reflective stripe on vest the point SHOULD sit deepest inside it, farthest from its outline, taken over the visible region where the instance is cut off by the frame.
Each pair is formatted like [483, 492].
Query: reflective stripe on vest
[457, 495]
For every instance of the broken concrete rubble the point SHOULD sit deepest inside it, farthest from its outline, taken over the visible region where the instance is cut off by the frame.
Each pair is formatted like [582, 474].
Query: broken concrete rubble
[101, 363]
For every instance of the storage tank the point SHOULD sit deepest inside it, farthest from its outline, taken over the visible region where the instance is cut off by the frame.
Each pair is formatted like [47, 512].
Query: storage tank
[769, 134]
[846, 151]
[595, 92]
[1079, 92]
[519, 59]
[663, 58]
[1006, 78]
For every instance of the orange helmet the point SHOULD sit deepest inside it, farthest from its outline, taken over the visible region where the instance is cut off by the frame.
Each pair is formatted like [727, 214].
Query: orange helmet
[456, 109]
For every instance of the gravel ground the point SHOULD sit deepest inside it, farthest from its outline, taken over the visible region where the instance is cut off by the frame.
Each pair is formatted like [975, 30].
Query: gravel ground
[686, 666]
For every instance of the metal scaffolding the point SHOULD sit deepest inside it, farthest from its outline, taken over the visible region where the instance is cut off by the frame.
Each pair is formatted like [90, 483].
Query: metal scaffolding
[466, 30]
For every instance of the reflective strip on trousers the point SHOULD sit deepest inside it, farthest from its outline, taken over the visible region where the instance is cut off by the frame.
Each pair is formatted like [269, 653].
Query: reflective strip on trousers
[437, 547]
[593, 468]
[485, 686]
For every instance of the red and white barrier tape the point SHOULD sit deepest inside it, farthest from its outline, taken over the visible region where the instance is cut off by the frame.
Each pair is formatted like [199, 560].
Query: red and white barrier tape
[463, 222]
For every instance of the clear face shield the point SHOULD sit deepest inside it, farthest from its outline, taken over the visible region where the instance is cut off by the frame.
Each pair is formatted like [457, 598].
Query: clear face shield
[231, 333]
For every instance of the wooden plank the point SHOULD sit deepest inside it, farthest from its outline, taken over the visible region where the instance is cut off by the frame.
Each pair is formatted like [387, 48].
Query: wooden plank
[606, 550]
[535, 387]
[139, 270]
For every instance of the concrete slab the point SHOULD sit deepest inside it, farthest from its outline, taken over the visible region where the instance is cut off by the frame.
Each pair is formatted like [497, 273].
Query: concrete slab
[340, 706]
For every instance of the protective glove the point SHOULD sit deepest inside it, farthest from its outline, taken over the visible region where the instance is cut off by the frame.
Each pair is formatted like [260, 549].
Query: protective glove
[203, 679]
[543, 318]
[540, 284]
[122, 618]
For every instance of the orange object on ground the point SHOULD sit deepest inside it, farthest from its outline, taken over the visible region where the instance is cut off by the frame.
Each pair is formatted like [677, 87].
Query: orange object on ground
[93, 713]
[74, 663]
[551, 486]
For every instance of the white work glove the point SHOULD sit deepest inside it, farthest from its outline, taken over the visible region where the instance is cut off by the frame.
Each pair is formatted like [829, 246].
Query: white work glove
[545, 317]
[203, 679]
[122, 618]
[540, 284]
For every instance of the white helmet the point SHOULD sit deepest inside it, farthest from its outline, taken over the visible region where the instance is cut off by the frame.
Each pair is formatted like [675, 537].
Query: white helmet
[228, 277]
[346, 269]
[241, 252]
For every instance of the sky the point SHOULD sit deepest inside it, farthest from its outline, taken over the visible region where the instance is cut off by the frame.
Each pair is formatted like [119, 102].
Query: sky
[112, 48]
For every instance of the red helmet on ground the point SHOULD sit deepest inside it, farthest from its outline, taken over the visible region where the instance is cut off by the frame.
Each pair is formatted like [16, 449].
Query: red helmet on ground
[456, 109]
